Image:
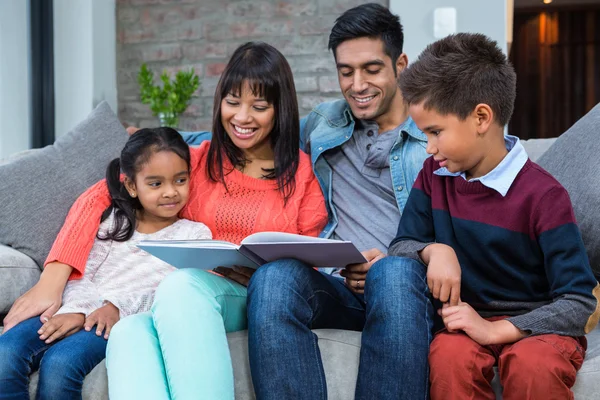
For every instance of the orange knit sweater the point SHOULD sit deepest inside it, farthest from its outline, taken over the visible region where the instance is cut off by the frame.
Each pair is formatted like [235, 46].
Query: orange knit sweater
[251, 205]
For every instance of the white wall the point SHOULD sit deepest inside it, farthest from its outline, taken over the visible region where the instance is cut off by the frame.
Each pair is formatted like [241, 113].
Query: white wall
[14, 77]
[482, 16]
[84, 59]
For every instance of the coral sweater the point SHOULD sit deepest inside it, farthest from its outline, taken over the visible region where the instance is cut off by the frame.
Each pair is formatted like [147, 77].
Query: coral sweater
[249, 205]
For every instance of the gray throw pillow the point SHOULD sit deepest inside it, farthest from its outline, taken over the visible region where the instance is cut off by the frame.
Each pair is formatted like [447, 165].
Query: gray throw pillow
[574, 160]
[38, 188]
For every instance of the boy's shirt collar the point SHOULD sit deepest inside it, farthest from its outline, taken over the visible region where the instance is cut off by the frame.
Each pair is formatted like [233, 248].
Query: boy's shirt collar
[502, 177]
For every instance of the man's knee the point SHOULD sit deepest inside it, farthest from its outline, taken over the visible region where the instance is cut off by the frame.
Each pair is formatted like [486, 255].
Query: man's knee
[276, 287]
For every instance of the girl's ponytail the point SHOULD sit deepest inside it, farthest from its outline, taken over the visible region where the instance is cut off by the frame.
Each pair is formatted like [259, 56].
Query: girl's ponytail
[122, 204]
[137, 151]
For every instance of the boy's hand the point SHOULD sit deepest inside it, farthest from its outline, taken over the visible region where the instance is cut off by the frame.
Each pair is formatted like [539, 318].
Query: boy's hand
[464, 318]
[60, 326]
[443, 273]
[105, 318]
[44, 298]
[356, 274]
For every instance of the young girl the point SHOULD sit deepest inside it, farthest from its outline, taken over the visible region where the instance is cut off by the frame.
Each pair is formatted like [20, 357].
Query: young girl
[119, 279]
[250, 177]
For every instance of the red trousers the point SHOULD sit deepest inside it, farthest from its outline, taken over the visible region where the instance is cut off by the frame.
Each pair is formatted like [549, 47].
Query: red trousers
[537, 367]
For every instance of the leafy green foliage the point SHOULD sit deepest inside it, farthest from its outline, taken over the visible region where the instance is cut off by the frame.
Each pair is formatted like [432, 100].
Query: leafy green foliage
[169, 100]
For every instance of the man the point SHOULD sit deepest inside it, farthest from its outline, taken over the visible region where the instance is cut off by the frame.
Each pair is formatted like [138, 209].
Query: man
[366, 153]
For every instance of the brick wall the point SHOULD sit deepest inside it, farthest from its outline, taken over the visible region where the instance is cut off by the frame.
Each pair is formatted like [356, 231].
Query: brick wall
[172, 34]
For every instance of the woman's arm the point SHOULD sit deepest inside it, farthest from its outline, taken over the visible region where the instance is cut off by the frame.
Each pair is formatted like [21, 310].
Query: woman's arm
[43, 298]
[67, 257]
[76, 238]
[312, 216]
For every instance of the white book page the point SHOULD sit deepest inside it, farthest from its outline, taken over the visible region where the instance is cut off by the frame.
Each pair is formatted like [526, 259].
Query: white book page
[281, 237]
[195, 243]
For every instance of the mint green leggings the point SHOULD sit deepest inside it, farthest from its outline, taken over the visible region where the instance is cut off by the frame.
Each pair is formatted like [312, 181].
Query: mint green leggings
[178, 351]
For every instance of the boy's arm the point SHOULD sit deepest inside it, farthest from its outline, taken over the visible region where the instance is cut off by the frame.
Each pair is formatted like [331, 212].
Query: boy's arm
[575, 309]
[415, 231]
[416, 240]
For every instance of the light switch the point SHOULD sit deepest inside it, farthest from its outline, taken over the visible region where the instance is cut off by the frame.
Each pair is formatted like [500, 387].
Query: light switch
[444, 22]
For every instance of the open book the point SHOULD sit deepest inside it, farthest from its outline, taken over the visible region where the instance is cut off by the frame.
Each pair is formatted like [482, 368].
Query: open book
[254, 251]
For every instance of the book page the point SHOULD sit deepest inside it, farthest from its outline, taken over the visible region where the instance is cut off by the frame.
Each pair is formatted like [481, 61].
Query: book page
[282, 237]
[192, 243]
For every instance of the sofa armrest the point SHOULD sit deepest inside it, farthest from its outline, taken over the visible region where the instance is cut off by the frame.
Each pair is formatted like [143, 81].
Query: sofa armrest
[18, 273]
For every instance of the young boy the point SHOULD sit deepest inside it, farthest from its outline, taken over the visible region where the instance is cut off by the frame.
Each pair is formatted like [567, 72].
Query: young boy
[527, 293]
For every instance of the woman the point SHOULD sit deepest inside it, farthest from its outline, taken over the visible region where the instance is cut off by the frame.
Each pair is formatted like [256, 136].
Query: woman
[251, 177]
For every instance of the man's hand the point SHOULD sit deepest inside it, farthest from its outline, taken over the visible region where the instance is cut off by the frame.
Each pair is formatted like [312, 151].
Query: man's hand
[60, 326]
[105, 318]
[443, 272]
[356, 274]
[237, 274]
[44, 298]
[131, 130]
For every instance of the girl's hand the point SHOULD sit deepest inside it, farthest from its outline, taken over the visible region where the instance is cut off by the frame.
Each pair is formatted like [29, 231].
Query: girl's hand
[237, 274]
[60, 326]
[44, 298]
[105, 318]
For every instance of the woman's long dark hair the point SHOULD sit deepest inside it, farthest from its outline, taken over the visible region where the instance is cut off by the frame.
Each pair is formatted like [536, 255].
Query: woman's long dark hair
[269, 75]
[137, 152]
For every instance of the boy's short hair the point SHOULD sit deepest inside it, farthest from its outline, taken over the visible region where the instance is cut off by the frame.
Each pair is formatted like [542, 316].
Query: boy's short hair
[454, 74]
[369, 20]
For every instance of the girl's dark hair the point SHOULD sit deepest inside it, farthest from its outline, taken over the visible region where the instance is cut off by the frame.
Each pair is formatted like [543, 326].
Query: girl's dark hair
[369, 20]
[137, 152]
[269, 76]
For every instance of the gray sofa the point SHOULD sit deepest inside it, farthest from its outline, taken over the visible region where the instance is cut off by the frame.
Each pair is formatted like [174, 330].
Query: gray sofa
[339, 349]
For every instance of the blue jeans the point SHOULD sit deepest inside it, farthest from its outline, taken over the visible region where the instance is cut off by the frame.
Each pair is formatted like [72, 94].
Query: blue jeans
[63, 365]
[286, 299]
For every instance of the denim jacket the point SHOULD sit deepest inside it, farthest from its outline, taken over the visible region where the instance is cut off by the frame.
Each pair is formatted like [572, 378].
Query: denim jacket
[330, 125]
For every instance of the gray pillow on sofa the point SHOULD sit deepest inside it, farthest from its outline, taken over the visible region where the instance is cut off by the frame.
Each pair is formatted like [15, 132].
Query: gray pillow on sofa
[573, 160]
[38, 188]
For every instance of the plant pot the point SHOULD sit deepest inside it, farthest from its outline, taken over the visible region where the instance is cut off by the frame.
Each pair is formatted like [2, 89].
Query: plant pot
[168, 119]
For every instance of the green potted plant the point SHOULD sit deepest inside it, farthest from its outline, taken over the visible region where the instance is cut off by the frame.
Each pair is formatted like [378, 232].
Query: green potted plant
[169, 100]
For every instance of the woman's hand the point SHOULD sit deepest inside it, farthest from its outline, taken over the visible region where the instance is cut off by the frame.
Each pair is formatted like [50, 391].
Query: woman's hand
[60, 326]
[105, 318]
[237, 274]
[44, 298]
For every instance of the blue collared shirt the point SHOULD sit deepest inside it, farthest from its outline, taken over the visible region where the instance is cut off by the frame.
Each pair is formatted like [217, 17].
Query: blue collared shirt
[502, 177]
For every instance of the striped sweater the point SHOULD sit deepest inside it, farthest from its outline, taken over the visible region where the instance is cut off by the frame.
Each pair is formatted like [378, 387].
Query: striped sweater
[521, 254]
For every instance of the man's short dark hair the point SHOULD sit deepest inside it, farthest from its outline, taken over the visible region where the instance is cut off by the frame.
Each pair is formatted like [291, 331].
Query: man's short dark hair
[458, 72]
[369, 20]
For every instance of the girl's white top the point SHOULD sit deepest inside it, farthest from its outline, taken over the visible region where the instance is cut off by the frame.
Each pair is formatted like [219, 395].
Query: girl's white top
[122, 273]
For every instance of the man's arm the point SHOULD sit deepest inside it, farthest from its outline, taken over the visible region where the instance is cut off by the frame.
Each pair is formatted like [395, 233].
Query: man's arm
[196, 138]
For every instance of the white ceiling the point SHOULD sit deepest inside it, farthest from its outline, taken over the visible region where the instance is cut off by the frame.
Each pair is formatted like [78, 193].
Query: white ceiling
[555, 3]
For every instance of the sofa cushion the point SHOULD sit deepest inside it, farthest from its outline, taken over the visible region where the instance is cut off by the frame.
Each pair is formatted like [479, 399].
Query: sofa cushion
[17, 274]
[38, 188]
[340, 352]
[573, 160]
